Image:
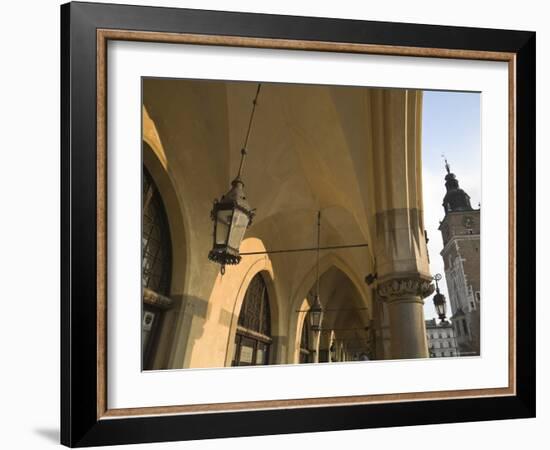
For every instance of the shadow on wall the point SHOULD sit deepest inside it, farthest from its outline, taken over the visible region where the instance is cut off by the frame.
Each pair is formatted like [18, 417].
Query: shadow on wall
[184, 323]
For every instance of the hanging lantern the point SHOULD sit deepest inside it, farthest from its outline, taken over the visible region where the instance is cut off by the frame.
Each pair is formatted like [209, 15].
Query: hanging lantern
[440, 305]
[332, 352]
[439, 300]
[316, 310]
[316, 314]
[232, 215]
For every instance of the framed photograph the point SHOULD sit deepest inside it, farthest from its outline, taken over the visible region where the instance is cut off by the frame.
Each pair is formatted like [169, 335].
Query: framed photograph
[278, 224]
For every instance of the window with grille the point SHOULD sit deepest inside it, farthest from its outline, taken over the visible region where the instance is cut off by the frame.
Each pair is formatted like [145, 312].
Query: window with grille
[156, 268]
[253, 337]
[155, 241]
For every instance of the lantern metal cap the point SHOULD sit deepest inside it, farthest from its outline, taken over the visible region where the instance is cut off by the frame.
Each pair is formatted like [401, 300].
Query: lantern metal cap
[235, 197]
[439, 298]
[316, 306]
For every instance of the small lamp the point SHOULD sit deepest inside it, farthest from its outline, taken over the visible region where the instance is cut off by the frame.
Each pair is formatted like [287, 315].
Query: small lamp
[316, 310]
[332, 352]
[316, 314]
[439, 300]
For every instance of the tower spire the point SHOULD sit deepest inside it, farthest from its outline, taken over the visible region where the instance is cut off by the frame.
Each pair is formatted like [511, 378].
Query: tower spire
[446, 164]
[455, 199]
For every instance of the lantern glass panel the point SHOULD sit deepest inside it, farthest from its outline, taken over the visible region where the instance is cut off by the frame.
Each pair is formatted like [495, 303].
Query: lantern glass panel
[440, 307]
[223, 222]
[316, 316]
[238, 227]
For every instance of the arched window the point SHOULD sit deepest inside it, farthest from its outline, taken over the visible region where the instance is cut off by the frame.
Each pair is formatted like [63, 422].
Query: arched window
[305, 347]
[156, 267]
[253, 337]
[155, 239]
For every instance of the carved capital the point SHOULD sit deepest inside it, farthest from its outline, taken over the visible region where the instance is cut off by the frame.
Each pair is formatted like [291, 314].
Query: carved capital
[405, 286]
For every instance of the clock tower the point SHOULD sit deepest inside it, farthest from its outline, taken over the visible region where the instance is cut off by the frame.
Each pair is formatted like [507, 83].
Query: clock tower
[460, 229]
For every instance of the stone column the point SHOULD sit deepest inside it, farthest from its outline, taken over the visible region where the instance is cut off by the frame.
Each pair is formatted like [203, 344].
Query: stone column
[401, 256]
[316, 345]
[382, 335]
[404, 297]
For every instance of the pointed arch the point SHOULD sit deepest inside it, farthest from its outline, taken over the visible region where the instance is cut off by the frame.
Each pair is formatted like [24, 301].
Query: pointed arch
[158, 170]
[259, 266]
[300, 304]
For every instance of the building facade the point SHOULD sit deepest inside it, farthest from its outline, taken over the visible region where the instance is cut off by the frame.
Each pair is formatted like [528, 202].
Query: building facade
[352, 153]
[441, 339]
[460, 229]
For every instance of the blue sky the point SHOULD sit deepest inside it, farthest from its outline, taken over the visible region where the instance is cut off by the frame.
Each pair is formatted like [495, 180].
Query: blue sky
[451, 126]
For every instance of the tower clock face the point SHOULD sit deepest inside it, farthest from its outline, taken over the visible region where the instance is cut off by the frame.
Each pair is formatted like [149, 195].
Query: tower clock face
[468, 221]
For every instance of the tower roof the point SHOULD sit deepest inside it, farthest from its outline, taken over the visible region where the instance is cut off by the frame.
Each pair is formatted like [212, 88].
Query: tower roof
[455, 199]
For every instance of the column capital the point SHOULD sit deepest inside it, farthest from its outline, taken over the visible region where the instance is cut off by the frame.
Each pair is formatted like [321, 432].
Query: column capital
[405, 285]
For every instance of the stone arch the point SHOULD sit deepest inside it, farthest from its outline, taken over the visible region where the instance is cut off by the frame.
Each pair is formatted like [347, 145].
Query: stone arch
[299, 301]
[175, 216]
[307, 335]
[152, 138]
[151, 158]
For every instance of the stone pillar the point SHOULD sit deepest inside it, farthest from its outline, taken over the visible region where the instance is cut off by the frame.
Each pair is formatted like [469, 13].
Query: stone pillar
[404, 297]
[382, 335]
[400, 250]
[316, 345]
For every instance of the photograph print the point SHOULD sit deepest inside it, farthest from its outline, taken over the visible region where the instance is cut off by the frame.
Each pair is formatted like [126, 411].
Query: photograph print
[295, 224]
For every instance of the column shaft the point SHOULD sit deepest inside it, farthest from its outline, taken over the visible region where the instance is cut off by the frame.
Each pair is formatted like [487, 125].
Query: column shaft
[407, 328]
